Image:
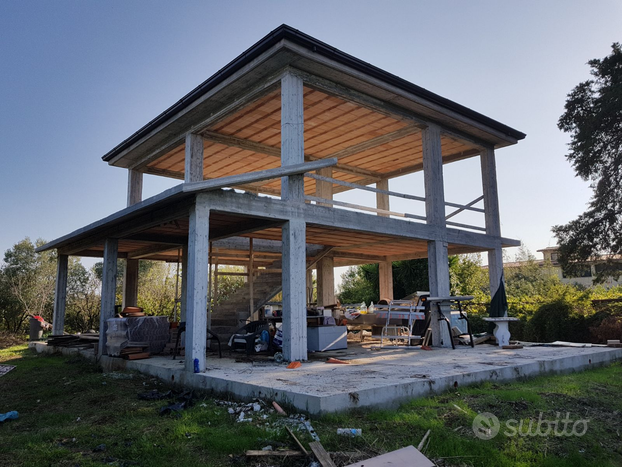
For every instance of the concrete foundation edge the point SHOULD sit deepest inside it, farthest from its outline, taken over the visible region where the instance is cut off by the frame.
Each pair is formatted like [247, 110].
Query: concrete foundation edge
[390, 396]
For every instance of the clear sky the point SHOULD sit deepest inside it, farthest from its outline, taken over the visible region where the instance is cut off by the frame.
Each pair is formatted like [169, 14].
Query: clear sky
[77, 77]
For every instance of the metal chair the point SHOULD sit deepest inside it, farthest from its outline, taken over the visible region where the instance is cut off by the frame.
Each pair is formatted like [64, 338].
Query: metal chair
[182, 328]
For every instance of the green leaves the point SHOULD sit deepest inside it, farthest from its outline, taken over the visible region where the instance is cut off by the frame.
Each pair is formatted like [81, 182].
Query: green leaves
[593, 118]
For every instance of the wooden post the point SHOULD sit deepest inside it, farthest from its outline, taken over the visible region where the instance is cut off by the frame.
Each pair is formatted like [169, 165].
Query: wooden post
[491, 215]
[198, 280]
[325, 277]
[109, 289]
[184, 282]
[134, 187]
[385, 269]
[294, 231]
[194, 158]
[60, 295]
[438, 260]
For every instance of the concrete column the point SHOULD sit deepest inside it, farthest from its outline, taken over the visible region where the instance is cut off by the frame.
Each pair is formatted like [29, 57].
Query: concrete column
[197, 284]
[385, 278]
[326, 282]
[130, 271]
[325, 279]
[385, 269]
[134, 187]
[294, 287]
[130, 282]
[438, 261]
[60, 295]
[109, 289]
[309, 282]
[491, 215]
[184, 282]
[294, 231]
[292, 136]
[194, 158]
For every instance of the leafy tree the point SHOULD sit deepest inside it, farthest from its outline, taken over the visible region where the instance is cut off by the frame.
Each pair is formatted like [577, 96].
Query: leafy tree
[27, 284]
[593, 118]
[83, 298]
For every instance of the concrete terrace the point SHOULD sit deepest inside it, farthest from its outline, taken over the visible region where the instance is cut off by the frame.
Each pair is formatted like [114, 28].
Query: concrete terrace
[378, 379]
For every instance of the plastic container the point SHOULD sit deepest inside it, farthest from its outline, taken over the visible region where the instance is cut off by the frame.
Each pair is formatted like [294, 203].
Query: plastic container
[351, 432]
[116, 336]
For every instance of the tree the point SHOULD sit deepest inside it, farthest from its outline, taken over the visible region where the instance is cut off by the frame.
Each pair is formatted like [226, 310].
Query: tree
[593, 118]
[27, 284]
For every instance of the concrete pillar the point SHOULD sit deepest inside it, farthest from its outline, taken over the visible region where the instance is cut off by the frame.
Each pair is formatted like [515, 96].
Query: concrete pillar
[184, 282]
[197, 284]
[385, 269]
[491, 215]
[294, 287]
[134, 187]
[325, 278]
[193, 171]
[60, 295]
[130, 270]
[130, 282]
[438, 260]
[385, 278]
[309, 282]
[326, 282]
[109, 289]
[294, 230]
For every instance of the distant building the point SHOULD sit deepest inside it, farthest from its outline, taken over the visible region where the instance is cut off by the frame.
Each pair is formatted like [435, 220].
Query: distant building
[585, 277]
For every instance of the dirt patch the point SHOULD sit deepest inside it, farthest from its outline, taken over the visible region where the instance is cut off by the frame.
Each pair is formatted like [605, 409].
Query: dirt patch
[9, 340]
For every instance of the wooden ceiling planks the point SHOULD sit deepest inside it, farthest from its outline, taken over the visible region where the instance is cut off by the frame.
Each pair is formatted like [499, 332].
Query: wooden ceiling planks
[332, 124]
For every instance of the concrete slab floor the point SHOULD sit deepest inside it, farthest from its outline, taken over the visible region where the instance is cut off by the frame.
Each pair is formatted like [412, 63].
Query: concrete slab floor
[374, 378]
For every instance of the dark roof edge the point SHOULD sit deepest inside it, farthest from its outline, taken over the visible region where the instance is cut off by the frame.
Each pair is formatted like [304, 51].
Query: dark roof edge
[286, 32]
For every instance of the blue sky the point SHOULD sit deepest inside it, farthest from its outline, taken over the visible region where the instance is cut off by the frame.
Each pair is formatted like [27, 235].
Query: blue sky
[77, 77]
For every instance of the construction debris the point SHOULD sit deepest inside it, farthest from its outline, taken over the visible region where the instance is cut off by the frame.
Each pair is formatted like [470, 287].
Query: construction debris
[80, 341]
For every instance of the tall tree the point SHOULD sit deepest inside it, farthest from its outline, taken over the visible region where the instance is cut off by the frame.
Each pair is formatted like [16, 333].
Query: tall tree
[593, 118]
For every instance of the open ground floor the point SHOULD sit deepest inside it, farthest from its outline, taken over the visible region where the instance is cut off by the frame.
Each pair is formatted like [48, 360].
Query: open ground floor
[381, 379]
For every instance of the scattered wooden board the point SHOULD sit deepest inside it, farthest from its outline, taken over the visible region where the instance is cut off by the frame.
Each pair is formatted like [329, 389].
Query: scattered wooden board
[405, 457]
[512, 346]
[321, 454]
[302, 448]
[274, 453]
[137, 356]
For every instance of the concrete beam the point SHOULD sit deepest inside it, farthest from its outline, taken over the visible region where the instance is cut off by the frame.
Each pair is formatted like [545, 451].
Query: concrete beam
[60, 295]
[109, 289]
[197, 279]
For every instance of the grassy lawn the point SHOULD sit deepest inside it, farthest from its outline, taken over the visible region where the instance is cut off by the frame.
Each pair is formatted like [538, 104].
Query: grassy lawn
[71, 414]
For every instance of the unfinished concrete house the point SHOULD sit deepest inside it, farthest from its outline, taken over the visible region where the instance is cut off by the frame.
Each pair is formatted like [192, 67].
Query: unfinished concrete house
[263, 149]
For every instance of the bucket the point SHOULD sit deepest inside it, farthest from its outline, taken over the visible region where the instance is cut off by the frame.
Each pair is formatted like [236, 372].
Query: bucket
[36, 330]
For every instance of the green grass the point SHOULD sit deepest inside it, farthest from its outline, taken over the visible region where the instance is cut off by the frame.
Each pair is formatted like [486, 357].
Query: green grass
[68, 407]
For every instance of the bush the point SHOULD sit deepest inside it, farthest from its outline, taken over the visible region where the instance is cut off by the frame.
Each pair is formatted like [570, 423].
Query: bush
[557, 321]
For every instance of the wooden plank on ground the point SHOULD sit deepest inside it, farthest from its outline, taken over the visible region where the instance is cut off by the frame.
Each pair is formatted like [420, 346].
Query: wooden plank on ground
[274, 453]
[321, 454]
[405, 457]
[302, 448]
